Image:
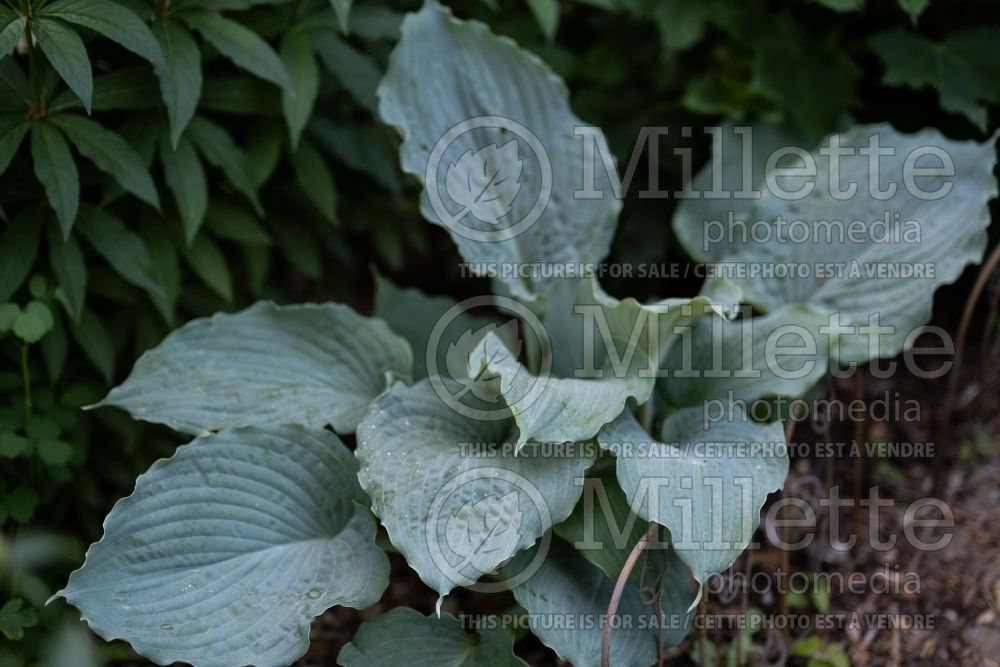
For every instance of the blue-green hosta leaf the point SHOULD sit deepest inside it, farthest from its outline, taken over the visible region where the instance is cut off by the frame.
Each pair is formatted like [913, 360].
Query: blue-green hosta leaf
[939, 236]
[706, 480]
[108, 18]
[227, 550]
[10, 32]
[305, 364]
[454, 511]
[734, 170]
[568, 587]
[110, 153]
[564, 409]
[779, 354]
[56, 170]
[65, 52]
[604, 530]
[445, 72]
[240, 44]
[605, 351]
[959, 68]
[413, 314]
[405, 637]
[179, 73]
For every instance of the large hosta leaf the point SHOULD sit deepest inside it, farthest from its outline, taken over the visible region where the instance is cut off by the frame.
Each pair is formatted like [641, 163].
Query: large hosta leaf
[405, 637]
[734, 170]
[446, 71]
[448, 488]
[549, 409]
[891, 268]
[604, 351]
[413, 315]
[779, 354]
[227, 550]
[305, 364]
[705, 480]
[569, 588]
[604, 530]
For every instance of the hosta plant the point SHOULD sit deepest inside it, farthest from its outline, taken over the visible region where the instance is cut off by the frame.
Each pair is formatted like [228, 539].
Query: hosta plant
[227, 550]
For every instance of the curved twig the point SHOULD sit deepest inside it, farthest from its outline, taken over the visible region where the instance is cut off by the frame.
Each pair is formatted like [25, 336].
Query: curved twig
[616, 595]
[948, 405]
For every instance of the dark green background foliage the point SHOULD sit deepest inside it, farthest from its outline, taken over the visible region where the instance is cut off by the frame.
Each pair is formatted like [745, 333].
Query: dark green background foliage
[163, 160]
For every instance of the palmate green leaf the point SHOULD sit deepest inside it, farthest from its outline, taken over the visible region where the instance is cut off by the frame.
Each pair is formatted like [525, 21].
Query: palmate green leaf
[228, 221]
[779, 354]
[14, 619]
[455, 515]
[314, 177]
[124, 251]
[375, 21]
[110, 153]
[11, 29]
[110, 19]
[546, 13]
[914, 8]
[18, 248]
[240, 44]
[65, 52]
[842, 5]
[56, 171]
[219, 149]
[179, 72]
[300, 62]
[186, 179]
[363, 147]
[13, 127]
[66, 260]
[476, 73]
[14, 84]
[342, 8]
[705, 479]
[938, 235]
[95, 341]
[807, 74]
[406, 637]
[209, 264]
[226, 551]
[958, 68]
[130, 88]
[307, 364]
[566, 586]
[356, 71]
